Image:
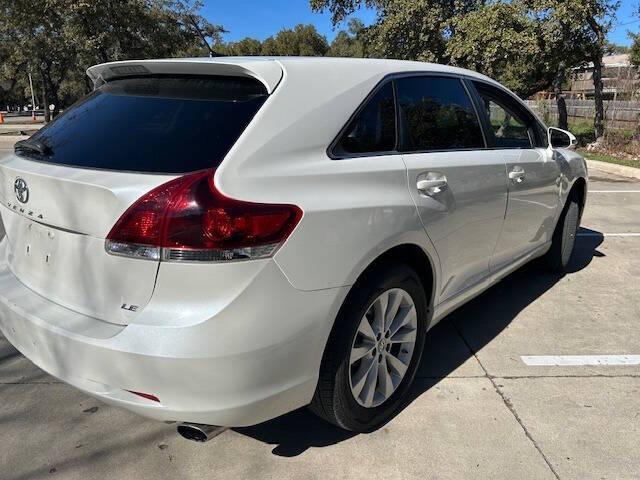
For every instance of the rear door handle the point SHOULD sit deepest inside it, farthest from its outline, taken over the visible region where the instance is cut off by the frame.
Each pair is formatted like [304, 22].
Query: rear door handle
[430, 183]
[517, 175]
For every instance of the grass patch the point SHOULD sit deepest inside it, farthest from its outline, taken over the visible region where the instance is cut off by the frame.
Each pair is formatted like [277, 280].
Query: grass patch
[603, 157]
[584, 132]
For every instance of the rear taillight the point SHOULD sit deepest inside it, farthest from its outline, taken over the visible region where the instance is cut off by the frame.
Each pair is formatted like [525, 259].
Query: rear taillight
[188, 219]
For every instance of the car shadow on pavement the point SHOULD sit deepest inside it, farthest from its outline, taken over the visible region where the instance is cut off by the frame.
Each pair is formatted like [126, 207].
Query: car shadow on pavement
[482, 320]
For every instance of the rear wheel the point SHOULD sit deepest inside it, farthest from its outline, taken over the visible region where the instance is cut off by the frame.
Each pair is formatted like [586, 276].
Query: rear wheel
[564, 237]
[373, 351]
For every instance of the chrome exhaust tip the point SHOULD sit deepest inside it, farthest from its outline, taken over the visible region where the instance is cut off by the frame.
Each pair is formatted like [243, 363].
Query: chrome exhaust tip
[199, 432]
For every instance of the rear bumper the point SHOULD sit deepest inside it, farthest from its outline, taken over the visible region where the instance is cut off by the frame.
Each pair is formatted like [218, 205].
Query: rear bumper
[252, 361]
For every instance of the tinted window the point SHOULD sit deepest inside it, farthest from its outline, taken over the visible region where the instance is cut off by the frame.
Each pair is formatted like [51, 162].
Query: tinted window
[153, 124]
[374, 127]
[512, 126]
[508, 129]
[437, 114]
[542, 139]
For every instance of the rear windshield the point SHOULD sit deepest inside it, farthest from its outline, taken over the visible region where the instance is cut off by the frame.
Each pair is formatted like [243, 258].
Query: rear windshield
[152, 124]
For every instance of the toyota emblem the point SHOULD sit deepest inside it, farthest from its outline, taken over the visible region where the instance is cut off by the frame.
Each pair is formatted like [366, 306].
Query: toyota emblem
[21, 190]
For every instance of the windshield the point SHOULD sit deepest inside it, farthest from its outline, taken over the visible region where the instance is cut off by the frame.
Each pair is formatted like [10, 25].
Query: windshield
[151, 124]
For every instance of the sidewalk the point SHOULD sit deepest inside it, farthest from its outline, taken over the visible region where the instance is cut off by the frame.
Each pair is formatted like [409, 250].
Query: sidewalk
[16, 128]
[614, 169]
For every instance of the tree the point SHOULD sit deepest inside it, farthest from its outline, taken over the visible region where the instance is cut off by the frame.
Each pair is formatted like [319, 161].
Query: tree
[599, 15]
[302, 40]
[634, 51]
[412, 30]
[589, 21]
[565, 44]
[502, 41]
[405, 29]
[57, 40]
[37, 43]
[528, 44]
[351, 42]
[525, 44]
[245, 47]
[341, 9]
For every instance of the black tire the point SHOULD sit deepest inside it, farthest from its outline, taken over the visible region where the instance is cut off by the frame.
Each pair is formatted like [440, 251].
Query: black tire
[333, 400]
[559, 255]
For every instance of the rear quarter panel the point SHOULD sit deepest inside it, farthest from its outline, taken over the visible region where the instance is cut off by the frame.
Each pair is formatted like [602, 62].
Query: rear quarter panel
[354, 209]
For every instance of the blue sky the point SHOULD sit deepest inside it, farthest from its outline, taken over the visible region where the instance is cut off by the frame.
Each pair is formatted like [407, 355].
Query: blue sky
[260, 19]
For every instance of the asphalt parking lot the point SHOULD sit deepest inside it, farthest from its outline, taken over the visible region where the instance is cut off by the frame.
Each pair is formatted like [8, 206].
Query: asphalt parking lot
[479, 409]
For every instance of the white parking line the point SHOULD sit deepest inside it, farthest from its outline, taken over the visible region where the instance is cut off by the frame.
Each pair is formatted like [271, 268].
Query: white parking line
[614, 191]
[579, 360]
[597, 234]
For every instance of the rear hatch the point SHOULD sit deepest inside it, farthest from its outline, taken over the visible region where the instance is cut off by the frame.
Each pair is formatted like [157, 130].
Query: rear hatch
[65, 188]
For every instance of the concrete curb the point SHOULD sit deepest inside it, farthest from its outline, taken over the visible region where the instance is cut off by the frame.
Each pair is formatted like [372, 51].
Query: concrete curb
[622, 170]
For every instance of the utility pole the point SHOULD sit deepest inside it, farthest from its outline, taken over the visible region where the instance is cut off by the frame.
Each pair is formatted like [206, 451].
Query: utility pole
[33, 100]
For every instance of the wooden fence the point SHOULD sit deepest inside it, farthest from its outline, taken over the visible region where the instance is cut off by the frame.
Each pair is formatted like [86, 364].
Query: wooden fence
[619, 114]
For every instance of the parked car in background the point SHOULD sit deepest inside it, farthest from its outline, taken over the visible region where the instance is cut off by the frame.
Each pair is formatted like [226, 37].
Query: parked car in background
[222, 241]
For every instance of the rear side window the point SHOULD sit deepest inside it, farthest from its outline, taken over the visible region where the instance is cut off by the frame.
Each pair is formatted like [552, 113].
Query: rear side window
[153, 124]
[373, 130]
[436, 113]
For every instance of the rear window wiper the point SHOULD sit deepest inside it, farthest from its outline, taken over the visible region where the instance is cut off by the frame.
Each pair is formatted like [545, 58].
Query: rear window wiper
[32, 145]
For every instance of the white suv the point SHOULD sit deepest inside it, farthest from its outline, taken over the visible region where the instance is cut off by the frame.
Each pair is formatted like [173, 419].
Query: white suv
[221, 241]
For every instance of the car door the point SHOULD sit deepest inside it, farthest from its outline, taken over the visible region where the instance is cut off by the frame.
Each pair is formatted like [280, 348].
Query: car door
[533, 175]
[458, 186]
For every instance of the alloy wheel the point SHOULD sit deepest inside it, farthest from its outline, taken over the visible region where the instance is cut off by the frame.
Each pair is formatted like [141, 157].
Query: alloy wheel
[383, 347]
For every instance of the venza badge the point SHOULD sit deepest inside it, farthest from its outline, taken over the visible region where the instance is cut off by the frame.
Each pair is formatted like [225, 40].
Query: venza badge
[21, 190]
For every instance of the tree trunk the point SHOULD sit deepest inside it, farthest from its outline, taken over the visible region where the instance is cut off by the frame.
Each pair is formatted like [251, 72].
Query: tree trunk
[51, 96]
[598, 121]
[598, 87]
[45, 101]
[560, 101]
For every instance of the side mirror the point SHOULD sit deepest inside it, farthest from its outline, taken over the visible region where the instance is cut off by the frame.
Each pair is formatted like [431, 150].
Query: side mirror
[559, 138]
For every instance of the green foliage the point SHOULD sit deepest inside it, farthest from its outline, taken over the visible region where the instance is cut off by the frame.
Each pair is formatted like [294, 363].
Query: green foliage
[56, 40]
[405, 29]
[302, 40]
[245, 47]
[501, 40]
[341, 9]
[584, 132]
[604, 157]
[529, 45]
[351, 42]
[525, 44]
[412, 30]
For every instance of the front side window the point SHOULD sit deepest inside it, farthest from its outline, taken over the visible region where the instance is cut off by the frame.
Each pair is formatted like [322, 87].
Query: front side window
[436, 114]
[510, 125]
[508, 130]
[373, 130]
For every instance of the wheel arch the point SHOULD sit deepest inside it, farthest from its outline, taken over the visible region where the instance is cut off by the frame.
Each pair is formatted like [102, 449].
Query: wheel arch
[579, 191]
[324, 400]
[415, 257]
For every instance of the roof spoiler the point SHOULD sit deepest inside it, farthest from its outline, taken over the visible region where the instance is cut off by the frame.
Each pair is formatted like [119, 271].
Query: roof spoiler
[267, 71]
